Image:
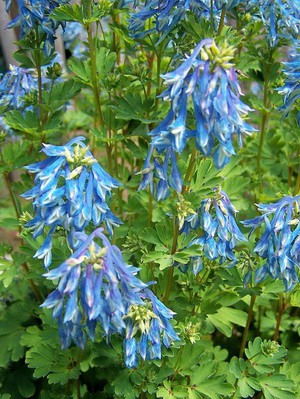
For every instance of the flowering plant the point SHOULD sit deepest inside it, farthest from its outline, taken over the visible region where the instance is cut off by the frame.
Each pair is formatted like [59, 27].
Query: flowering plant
[150, 188]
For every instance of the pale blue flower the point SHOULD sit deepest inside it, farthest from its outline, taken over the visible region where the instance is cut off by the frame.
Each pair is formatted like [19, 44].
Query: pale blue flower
[95, 286]
[71, 190]
[291, 88]
[34, 13]
[219, 233]
[159, 174]
[166, 13]
[74, 36]
[279, 245]
[147, 327]
[14, 85]
[281, 17]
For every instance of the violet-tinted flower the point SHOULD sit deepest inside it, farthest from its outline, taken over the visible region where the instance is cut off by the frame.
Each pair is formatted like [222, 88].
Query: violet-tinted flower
[281, 17]
[291, 88]
[209, 79]
[166, 14]
[161, 175]
[70, 191]
[147, 327]
[95, 285]
[279, 244]
[33, 13]
[14, 85]
[215, 219]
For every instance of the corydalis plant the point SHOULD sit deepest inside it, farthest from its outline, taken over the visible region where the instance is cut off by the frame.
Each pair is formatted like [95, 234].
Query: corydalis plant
[281, 17]
[279, 244]
[219, 232]
[14, 85]
[36, 14]
[207, 81]
[97, 286]
[291, 88]
[71, 191]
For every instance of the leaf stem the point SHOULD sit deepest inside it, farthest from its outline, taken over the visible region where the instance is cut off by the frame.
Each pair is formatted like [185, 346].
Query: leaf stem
[264, 120]
[246, 330]
[221, 23]
[282, 307]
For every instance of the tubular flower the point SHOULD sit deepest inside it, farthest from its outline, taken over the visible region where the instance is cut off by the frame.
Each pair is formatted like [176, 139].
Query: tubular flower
[291, 88]
[33, 13]
[166, 174]
[216, 218]
[281, 17]
[96, 286]
[70, 191]
[166, 13]
[14, 85]
[279, 245]
[146, 325]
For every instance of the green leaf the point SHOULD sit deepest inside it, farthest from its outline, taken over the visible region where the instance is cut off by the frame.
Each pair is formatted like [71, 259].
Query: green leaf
[105, 61]
[207, 381]
[11, 331]
[59, 366]
[60, 94]
[132, 106]
[82, 71]
[277, 387]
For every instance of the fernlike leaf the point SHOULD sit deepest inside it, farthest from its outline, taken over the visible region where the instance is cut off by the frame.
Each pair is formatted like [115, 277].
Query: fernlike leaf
[206, 380]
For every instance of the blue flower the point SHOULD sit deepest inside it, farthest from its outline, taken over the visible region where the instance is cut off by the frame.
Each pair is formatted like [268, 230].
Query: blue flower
[96, 286]
[74, 36]
[281, 17]
[215, 218]
[146, 326]
[161, 175]
[166, 13]
[291, 88]
[34, 13]
[14, 85]
[70, 191]
[279, 245]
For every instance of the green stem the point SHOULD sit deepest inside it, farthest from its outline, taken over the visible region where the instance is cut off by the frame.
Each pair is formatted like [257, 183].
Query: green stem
[264, 121]
[38, 65]
[18, 212]
[188, 176]
[246, 330]
[12, 195]
[297, 185]
[150, 213]
[171, 269]
[282, 308]
[221, 23]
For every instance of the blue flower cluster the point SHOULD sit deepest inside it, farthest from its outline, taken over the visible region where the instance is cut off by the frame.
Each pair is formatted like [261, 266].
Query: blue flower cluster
[74, 36]
[209, 81]
[70, 191]
[291, 88]
[166, 173]
[96, 286]
[167, 14]
[146, 324]
[34, 13]
[281, 17]
[216, 219]
[279, 245]
[14, 85]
